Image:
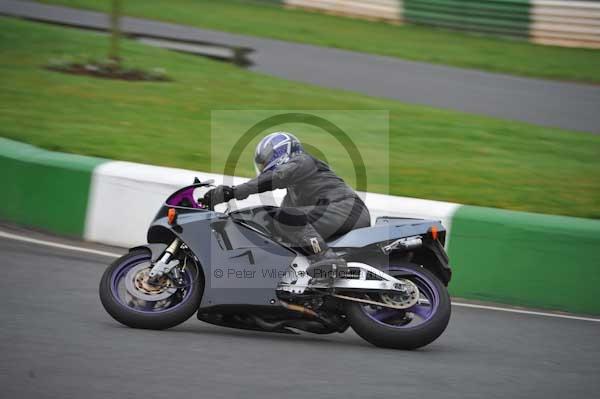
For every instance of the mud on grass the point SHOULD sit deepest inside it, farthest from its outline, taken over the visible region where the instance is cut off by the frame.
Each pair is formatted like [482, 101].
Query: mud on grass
[108, 70]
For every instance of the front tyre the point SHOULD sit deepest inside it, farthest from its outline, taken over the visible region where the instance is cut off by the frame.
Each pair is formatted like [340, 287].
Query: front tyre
[408, 328]
[129, 299]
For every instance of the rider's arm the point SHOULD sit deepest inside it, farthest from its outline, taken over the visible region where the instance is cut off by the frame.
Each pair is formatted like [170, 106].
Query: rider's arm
[292, 172]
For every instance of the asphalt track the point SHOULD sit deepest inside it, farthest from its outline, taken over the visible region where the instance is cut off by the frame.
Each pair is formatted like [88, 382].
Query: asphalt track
[543, 102]
[56, 341]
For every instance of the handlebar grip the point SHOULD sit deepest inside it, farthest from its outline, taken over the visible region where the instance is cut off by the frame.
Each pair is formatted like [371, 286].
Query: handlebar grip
[206, 203]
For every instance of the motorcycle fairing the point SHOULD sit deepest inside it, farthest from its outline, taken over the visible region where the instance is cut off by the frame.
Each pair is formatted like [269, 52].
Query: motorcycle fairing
[239, 265]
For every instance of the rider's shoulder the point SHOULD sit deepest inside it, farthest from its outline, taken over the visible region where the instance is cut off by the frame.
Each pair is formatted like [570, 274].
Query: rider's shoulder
[301, 158]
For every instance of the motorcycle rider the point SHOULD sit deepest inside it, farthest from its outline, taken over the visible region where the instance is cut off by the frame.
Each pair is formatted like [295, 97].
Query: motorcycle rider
[318, 204]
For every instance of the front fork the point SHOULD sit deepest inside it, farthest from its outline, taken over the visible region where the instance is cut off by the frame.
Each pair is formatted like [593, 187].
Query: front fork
[166, 264]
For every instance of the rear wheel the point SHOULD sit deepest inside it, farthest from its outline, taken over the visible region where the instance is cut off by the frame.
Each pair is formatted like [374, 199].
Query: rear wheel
[128, 297]
[409, 328]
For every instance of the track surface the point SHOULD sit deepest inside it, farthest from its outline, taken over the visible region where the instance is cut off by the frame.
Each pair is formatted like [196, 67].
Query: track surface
[543, 102]
[56, 341]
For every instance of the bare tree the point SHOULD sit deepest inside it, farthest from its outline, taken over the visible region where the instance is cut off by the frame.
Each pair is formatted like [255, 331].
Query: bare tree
[115, 30]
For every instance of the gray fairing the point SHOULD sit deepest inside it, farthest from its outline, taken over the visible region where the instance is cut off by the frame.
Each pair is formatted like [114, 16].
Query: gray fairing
[386, 229]
[251, 264]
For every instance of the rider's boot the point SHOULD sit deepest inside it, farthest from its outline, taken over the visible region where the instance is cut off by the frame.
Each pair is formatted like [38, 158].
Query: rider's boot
[324, 263]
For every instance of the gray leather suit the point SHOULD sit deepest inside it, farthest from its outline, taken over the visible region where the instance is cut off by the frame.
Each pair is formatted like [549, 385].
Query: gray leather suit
[318, 206]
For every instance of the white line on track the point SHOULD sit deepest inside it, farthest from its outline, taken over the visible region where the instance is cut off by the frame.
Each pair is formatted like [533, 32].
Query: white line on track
[454, 303]
[57, 245]
[521, 311]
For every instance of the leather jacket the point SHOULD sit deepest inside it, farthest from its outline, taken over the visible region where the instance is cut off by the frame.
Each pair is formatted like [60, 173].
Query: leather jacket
[308, 181]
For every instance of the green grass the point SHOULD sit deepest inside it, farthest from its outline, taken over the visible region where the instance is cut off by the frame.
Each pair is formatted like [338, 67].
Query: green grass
[434, 153]
[408, 42]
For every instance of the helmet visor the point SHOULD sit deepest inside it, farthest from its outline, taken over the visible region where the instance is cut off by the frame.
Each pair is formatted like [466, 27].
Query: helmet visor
[261, 159]
[259, 167]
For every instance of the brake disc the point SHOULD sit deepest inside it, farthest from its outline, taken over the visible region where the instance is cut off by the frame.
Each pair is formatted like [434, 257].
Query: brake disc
[136, 283]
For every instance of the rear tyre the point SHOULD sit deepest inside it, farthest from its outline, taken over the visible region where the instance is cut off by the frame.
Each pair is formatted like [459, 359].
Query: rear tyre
[404, 329]
[157, 310]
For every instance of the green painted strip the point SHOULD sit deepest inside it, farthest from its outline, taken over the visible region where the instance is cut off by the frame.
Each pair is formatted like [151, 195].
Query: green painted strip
[487, 8]
[500, 17]
[526, 259]
[509, 15]
[470, 20]
[472, 28]
[45, 189]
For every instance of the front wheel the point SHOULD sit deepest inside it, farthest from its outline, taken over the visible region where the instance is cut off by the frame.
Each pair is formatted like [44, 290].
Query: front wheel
[129, 299]
[409, 328]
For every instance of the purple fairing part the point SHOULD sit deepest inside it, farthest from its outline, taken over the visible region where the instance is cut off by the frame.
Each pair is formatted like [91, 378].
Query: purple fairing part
[185, 194]
[121, 272]
[426, 288]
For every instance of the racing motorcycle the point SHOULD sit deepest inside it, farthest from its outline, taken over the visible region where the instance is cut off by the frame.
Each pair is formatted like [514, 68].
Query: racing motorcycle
[233, 272]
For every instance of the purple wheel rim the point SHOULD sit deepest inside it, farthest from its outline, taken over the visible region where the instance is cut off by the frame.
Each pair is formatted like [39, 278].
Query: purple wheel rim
[424, 313]
[119, 274]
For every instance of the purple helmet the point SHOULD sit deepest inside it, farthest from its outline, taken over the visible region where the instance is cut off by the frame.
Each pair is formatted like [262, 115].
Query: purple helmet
[275, 149]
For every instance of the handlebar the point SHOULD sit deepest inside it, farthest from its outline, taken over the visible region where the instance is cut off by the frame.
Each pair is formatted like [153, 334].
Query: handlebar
[205, 202]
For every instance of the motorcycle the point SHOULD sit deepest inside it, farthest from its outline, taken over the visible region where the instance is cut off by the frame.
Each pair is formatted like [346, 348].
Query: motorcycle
[233, 272]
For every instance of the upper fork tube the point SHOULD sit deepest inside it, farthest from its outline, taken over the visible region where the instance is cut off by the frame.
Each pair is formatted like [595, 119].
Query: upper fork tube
[171, 250]
[161, 266]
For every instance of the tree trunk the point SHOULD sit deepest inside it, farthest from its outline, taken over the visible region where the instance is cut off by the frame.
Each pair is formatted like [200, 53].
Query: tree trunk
[115, 31]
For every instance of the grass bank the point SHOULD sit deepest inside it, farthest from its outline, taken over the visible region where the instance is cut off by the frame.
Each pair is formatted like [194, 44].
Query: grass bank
[434, 154]
[260, 18]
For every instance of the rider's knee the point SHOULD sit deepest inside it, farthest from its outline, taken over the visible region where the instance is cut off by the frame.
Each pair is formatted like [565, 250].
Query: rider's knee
[291, 217]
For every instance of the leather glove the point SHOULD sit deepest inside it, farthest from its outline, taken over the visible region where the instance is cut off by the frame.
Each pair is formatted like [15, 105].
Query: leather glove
[218, 195]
